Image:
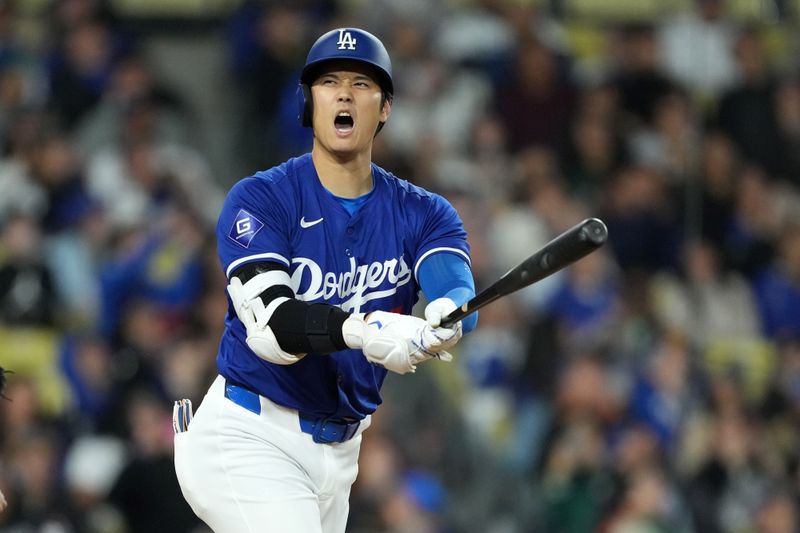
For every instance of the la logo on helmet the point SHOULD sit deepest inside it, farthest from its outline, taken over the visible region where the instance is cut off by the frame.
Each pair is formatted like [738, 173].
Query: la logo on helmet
[346, 41]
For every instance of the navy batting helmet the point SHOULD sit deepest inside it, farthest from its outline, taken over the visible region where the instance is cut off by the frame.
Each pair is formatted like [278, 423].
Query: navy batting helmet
[343, 43]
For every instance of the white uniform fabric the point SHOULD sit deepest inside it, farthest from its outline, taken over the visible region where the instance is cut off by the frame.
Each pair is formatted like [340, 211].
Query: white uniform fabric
[246, 473]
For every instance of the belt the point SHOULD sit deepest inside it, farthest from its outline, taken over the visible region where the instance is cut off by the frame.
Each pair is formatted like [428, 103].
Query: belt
[324, 430]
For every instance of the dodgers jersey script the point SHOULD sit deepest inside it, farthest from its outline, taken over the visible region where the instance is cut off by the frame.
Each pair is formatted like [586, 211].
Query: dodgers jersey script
[361, 263]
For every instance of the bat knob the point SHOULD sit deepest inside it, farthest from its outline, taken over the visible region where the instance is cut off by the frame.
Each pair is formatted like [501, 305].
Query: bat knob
[595, 231]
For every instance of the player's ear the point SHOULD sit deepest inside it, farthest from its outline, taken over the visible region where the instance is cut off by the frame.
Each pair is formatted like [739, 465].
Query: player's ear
[386, 109]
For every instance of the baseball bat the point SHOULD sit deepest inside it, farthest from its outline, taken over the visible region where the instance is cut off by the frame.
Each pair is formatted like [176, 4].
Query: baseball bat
[565, 249]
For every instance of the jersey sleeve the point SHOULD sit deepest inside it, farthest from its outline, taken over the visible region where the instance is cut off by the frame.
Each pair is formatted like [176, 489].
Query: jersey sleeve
[441, 230]
[449, 276]
[254, 224]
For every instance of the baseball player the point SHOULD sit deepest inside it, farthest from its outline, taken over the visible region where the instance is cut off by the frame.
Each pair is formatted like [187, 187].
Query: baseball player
[325, 256]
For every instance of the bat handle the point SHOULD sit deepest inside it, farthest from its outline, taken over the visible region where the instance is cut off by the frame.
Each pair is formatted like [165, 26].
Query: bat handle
[468, 308]
[454, 316]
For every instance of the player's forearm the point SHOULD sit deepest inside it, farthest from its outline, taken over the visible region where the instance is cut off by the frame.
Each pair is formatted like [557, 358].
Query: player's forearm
[447, 275]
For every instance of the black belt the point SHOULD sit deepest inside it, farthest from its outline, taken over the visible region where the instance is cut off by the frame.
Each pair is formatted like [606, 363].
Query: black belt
[322, 430]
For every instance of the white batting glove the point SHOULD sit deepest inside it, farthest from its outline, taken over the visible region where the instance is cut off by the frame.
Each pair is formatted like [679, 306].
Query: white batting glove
[435, 313]
[260, 338]
[396, 342]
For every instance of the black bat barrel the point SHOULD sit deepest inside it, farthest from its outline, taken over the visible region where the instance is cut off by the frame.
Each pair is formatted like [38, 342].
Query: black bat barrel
[573, 244]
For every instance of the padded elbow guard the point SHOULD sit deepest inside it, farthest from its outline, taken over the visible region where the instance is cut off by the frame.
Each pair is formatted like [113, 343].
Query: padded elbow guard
[254, 315]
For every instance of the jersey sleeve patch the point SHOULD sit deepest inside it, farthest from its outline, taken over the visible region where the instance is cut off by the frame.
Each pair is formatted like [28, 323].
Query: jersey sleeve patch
[244, 228]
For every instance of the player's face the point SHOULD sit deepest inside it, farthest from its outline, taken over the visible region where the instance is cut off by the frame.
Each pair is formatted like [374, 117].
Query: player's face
[347, 108]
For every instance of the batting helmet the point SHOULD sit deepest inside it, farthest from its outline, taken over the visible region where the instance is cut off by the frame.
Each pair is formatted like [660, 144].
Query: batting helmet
[343, 43]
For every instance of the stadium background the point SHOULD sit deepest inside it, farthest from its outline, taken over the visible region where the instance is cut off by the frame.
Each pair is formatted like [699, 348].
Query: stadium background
[653, 387]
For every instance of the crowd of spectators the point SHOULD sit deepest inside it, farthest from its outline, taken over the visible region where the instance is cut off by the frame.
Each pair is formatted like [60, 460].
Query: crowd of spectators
[652, 387]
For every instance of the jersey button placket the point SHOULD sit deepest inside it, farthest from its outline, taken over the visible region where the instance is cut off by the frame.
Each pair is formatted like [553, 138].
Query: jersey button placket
[349, 232]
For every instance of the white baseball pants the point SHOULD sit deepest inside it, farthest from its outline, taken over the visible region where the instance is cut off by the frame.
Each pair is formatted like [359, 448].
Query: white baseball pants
[243, 472]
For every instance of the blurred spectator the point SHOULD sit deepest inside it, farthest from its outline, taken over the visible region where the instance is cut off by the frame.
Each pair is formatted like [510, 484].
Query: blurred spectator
[535, 105]
[74, 256]
[161, 268]
[543, 189]
[379, 465]
[662, 394]
[39, 499]
[67, 14]
[726, 491]
[8, 44]
[91, 465]
[575, 481]
[587, 391]
[146, 491]
[26, 283]
[634, 448]
[747, 111]
[86, 364]
[492, 360]
[778, 288]
[21, 193]
[436, 104]
[189, 366]
[705, 303]
[642, 231]
[750, 241]
[415, 506]
[784, 405]
[595, 151]
[267, 42]
[718, 172]
[81, 70]
[636, 74]
[22, 415]
[476, 35]
[586, 303]
[136, 179]
[697, 46]
[480, 168]
[787, 111]
[668, 144]
[21, 89]
[778, 514]
[647, 505]
[56, 168]
[23, 80]
[133, 85]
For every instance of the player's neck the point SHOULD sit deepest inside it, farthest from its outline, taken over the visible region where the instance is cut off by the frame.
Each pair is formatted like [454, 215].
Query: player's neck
[346, 178]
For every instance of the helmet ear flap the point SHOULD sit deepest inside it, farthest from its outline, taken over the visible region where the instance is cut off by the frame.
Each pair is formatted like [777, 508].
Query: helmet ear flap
[305, 105]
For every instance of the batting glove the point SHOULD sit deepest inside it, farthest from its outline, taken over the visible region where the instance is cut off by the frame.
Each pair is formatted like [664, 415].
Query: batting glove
[396, 342]
[435, 313]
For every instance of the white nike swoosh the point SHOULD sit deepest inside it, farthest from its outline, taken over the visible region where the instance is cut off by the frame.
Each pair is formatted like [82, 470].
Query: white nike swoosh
[304, 224]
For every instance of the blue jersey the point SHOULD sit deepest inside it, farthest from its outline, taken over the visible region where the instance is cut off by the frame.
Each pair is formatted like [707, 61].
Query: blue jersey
[361, 263]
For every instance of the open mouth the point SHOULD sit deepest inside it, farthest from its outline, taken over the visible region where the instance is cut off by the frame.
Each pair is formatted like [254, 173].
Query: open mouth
[343, 122]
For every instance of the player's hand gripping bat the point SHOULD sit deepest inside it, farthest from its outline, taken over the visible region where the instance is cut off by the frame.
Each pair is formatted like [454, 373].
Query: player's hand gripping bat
[573, 244]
